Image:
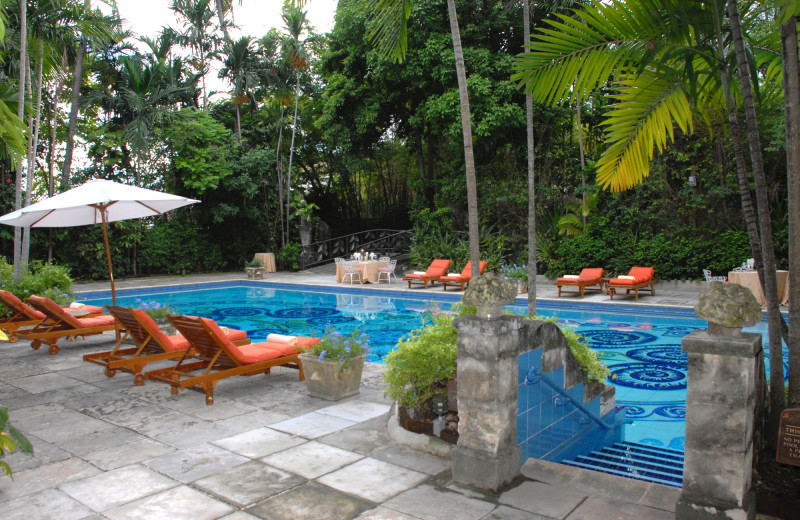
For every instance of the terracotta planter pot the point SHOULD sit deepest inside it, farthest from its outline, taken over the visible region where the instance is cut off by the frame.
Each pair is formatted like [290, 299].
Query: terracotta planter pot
[328, 379]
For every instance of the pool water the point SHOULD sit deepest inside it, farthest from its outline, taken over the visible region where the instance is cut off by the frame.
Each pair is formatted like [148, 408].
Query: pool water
[640, 345]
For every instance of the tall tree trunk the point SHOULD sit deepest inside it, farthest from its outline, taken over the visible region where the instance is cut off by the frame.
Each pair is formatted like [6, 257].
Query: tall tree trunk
[466, 129]
[583, 159]
[72, 126]
[791, 99]
[279, 167]
[23, 58]
[526, 24]
[33, 145]
[291, 153]
[776, 386]
[221, 16]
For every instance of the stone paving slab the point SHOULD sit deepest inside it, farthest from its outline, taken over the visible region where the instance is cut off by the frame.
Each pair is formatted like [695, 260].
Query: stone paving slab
[45, 383]
[195, 463]
[259, 442]
[313, 425]
[543, 499]
[365, 438]
[431, 503]
[35, 480]
[356, 410]
[412, 459]
[600, 507]
[179, 502]
[509, 513]
[114, 488]
[248, 483]
[312, 459]
[45, 505]
[382, 513]
[310, 501]
[373, 479]
[131, 452]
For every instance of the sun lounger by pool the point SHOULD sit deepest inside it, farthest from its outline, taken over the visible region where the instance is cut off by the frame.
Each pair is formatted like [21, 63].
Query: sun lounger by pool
[59, 324]
[213, 357]
[637, 278]
[462, 280]
[436, 270]
[151, 344]
[20, 317]
[589, 277]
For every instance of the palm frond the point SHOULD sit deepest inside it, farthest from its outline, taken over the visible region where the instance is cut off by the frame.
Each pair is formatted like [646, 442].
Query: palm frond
[649, 104]
[387, 27]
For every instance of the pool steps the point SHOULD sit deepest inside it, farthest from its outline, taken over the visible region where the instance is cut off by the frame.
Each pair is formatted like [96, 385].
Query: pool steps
[635, 461]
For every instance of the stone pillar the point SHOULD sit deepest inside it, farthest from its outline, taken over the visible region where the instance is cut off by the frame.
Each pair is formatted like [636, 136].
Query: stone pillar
[720, 408]
[487, 455]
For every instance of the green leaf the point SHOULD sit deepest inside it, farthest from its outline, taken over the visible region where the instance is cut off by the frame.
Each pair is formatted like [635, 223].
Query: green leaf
[22, 441]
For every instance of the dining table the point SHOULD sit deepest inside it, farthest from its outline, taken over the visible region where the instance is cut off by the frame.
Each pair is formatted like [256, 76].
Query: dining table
[751, 280]
[369, 270]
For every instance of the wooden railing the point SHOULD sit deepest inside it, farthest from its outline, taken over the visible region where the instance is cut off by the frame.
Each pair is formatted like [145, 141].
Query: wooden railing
[382, 241]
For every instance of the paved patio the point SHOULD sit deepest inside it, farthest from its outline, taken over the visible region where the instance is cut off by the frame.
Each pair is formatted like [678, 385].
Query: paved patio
[105, 448]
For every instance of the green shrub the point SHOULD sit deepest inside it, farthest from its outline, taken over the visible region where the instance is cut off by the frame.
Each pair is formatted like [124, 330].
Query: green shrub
[596, 370]
[156, 311]
[289, 257]
[423, 363]
[340, 347]
[47, 280]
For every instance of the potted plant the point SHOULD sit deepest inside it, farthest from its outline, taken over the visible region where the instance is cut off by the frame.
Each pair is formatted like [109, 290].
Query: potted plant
[333, 366]
[518, 274]
[158, 313]
[420, 374]
[254, 269]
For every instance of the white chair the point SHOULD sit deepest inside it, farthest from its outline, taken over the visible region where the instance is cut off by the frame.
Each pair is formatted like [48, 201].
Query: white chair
[387, 270]
[709, 278]
[351, 269]
[338, 260]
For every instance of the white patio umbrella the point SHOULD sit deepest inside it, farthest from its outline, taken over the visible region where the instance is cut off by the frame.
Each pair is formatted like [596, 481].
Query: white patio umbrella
[96, 202]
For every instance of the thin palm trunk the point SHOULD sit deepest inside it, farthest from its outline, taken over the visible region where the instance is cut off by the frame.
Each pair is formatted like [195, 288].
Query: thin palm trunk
[526, 22]
[23, 58]
[279, 166]
[72, 126]
[291, 153]
[776, 387]
[583, 158]
[791, 96]
[466, 129]
[221, 16]
[33, 145]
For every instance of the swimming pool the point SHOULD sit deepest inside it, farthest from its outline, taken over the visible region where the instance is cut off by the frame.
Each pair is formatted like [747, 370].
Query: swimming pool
[640, 345]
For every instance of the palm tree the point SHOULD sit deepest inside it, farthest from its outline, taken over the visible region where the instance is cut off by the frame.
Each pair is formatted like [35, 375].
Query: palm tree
[791, 87]
[526, 24]
[665, 58]
[388, 33]
[238, 68]
[295, 22]
[197, 35]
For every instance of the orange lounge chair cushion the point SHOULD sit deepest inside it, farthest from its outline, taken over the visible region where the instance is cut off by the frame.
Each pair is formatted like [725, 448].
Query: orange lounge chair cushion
[437, 268]
[640, 275]
[249, 354]
[591, 273]
[466, 274]
[178, 342]
[72, 321]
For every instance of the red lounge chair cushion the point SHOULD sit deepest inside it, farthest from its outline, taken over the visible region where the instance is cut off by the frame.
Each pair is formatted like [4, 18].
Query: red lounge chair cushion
[64, 316]
[98, 321]
[640, 275]
[303, 341]
[21, 306]
[249, 354]
[282, 349]
[591, 273]
[173, 343]
[437, 268]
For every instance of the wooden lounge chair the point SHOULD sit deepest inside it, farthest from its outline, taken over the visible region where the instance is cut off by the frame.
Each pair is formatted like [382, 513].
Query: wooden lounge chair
[436, 270]
[462, 280]
[59, 323]
[213, 357]
[589, 277]
[638, 278]
[151, 344]
[20, 317]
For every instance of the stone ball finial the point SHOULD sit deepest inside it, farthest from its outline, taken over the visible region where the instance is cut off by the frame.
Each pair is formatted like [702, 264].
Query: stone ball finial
[489, 293]
[727, 307]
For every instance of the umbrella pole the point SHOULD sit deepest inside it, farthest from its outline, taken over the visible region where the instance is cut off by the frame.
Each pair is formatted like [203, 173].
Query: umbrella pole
[108, 256]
